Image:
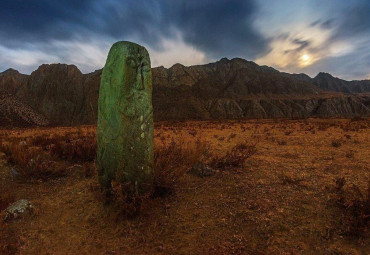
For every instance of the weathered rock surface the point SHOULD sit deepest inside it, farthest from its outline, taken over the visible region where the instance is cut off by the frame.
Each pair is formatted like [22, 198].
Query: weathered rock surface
[202, 170]
[327, 82]
[225, 89]
[14, 112]
[125, 120]
[56, 91]
[18, 209]
[11, 80]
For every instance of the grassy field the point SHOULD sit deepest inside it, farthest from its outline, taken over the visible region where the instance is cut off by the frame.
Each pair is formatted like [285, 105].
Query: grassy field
[279, 187]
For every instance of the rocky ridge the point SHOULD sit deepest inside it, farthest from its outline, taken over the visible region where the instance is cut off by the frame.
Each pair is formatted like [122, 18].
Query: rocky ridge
[14, 112]
[226, 89]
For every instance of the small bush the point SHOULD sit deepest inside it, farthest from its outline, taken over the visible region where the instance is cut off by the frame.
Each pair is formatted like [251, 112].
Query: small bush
[281, 142]
[31, 162]
[336, 143]
[81, 150]
[41, 141]
[288, 179]
[193, 132]
[231, 136]
[357, 118]
[89, 169]
[350, 154]
[354, 208]
[173, 160]
[236, 156]
[347, 136]
[221, 138]
[288, 132]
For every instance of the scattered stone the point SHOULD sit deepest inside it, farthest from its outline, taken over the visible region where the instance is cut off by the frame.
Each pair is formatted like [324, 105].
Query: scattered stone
[125, 120]
[202, 170]
[14, 173]
[18, 209]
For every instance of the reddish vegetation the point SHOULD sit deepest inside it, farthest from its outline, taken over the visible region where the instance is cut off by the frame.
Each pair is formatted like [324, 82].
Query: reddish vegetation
[280, 186]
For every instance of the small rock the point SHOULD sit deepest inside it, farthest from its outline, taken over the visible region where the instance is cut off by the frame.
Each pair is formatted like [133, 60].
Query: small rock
[18, 209]
[14, 173]
[202, 170]
[22, 143]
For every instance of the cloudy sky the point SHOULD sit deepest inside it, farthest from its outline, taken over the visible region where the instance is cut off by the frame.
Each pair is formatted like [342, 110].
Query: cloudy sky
[290, 35]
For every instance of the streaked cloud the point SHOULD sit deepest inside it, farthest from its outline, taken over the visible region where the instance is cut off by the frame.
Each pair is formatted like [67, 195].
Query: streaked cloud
[210, 28]
[328, 36]
[293, 36]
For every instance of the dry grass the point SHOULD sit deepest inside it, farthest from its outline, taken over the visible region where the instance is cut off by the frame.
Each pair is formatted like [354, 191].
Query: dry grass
[353, 208]
[31, 162]
[236, 157]
[268, 198]
[336, 143]
[172, 160]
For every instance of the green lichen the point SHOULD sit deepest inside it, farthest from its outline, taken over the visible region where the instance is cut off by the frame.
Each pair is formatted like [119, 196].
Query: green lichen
[125, 120]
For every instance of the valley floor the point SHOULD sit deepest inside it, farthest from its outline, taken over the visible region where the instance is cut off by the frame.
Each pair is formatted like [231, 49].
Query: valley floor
[303, 191]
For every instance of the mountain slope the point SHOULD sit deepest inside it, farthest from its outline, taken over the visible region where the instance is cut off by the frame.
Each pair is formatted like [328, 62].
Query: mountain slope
[327, 82]
[13, 112]
[11, 80]
[225, 89]
[56, 91]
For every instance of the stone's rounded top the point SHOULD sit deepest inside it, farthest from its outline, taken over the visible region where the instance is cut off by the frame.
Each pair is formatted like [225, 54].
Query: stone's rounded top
[128, 51]
[129, 46]
[126, 44]
[127, 59]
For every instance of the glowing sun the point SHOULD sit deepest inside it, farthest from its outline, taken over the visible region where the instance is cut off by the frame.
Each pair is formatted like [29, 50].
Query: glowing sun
[305, 57]
[305, 60]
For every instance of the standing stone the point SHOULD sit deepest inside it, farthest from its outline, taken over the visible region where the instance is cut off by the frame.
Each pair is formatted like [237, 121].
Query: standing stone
[125, 120]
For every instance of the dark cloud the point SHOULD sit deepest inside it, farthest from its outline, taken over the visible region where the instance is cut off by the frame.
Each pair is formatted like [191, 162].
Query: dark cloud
[36, 30]
[348, 67]
[30, 21]
[326, 24]
[282, 36]
[223, 28]
[315, 23]
[220, 28]
[354, 21]
[302, 44]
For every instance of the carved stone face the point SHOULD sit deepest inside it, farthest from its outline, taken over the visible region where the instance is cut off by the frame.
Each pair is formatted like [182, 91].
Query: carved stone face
[125, 117]
[128, 65]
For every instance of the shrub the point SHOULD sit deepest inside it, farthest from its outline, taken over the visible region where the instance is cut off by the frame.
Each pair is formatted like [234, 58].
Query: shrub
[336, 143]
[173, 160]
[41, 141]
[347, 136]
[350, 154]
[288, 132]
[89, 169]
[236, 156]
[354, 208]
[357, 118]
[231, 136]
[31, 162]
[221, 138]
[81, 150]
[193, 132]
[281, 142]
[288, 179]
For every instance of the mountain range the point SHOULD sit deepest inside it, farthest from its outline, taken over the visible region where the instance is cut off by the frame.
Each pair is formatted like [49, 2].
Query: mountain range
[59, 94]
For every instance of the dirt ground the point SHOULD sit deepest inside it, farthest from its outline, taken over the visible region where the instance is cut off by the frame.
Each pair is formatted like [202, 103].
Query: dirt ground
[284, 200]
